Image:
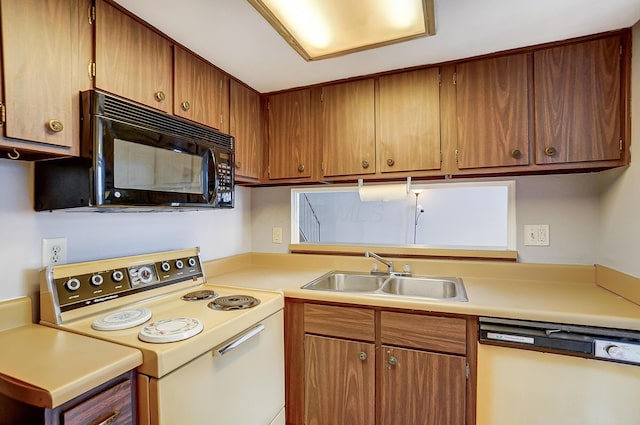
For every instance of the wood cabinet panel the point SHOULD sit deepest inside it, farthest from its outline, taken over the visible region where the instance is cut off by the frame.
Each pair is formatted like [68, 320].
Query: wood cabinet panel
[289, 132]
[492, 103]
[342, 322]
[245, 126]
[408, 121]
[40, 54]
[422, 388]
[132, 60]
[443, 334]
[116, 402]
[577, 102]
[348, 128]
[340, 382]
[201, 91]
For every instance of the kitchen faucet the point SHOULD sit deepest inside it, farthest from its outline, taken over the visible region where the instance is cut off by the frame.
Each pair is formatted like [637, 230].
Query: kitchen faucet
[387, 263]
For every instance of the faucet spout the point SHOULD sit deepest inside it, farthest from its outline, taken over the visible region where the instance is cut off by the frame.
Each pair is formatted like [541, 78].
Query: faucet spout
[387, 263]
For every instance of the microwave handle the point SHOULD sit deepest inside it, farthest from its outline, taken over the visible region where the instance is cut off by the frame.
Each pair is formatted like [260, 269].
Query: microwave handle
[212, 178]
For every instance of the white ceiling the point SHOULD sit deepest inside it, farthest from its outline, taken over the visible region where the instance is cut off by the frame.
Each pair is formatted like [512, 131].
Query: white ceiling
[232, 35]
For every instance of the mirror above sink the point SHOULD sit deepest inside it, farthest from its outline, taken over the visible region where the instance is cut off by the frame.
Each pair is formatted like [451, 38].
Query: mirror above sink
[432, 288]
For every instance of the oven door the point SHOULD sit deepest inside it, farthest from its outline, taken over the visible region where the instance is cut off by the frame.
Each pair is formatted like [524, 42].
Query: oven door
[138, 166]
[243, 386]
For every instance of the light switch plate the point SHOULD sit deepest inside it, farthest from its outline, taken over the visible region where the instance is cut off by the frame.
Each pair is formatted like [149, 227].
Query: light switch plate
[536, 234]
[276, 235]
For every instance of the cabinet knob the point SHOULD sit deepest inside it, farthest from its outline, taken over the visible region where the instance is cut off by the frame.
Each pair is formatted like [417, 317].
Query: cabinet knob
[159, 95]
[365, 164]
[362, 356]
[516, 153]
[301, 168]
[238, 164]
[55, 126]
[185, 106]
[550, 151]
[392, 361]
[390, 162]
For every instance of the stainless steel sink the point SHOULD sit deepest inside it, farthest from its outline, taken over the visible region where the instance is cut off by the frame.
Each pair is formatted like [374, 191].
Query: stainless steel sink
[423, 287]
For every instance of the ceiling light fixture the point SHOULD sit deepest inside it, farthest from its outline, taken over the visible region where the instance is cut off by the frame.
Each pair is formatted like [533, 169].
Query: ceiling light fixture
[319, 29]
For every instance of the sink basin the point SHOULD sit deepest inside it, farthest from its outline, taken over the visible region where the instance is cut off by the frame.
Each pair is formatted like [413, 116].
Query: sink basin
[347, 282]
[424, 287]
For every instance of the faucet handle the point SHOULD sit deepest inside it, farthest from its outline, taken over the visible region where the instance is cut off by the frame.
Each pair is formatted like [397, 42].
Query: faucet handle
[406, 268]
[374, 267]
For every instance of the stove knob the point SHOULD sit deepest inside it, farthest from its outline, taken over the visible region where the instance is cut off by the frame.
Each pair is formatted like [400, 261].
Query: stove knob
[117, 276]
[145, 274]
[192, 262]
[165, 266]
[615, 352]
[97, 279]
[73, 284]
[179, 264]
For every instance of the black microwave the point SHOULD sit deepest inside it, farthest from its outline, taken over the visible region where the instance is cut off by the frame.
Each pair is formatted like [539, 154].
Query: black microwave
[136, 158]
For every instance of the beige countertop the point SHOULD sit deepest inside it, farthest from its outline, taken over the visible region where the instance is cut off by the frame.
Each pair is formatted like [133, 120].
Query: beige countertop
[47, 367]
[543, 292]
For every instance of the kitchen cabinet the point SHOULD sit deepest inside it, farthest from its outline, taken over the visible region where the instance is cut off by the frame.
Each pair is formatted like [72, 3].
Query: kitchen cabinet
[372, 365]
[245, 126]
[408, 121]
[348, 128]
[201, 91]
[578, 102]
[492, 102]
[42, 75]
[113, 402]
[289, 135]
[131, 59]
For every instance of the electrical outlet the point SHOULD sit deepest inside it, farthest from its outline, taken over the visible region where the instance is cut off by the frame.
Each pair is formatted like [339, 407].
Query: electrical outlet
[536, 234]
[54, 251]
[276, 234]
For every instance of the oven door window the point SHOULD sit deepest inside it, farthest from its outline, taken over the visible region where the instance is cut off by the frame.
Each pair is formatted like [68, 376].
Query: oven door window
[143, 167]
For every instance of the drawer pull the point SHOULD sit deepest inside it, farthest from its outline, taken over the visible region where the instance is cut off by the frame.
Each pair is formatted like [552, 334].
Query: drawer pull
[111, 419]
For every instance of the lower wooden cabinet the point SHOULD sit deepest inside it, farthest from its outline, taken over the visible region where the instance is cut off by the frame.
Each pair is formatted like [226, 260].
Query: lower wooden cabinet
[373, 366]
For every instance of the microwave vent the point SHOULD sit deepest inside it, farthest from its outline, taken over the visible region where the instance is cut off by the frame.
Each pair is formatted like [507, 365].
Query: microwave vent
[121, 110]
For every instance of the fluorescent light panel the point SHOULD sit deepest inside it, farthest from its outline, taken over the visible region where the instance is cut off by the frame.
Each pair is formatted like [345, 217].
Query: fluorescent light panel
[319, 29]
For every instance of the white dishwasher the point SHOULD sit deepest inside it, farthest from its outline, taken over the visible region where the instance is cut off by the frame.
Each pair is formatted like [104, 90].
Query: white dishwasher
[582, 376]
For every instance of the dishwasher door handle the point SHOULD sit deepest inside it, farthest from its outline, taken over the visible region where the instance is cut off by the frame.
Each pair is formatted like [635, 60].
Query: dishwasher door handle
[231, 345]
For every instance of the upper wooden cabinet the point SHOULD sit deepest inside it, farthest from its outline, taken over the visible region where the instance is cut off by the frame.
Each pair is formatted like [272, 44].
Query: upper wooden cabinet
[201, 91]
[408, 121]
[577, 102]
[246, 127]
[132, 60]
[41, 51]
[492, 102]
[289, 135]
[348, 128]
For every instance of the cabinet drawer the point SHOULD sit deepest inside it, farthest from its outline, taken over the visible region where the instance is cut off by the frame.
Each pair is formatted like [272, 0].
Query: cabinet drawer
[116, 401]
[443, 334]
[343, 322]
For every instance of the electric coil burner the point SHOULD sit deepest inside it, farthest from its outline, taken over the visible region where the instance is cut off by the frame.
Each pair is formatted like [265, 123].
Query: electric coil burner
[234, 302]
[205, 294]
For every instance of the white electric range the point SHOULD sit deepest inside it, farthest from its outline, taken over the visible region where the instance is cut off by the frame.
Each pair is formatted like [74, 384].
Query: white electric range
[211, 354]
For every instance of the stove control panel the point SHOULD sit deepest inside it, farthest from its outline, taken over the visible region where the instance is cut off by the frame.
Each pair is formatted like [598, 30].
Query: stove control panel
[98, 284]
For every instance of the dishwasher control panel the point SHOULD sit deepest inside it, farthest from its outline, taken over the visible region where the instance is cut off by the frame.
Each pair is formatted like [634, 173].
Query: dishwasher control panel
[617, 350]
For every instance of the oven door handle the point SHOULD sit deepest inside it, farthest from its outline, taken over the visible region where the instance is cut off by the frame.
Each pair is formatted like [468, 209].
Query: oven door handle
[227, 347]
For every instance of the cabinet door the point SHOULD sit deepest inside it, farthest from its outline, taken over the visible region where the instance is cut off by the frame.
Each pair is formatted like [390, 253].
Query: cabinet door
[40, 50]
[577, 102]
[132, 60]
[245, 127]
[408, 136]
[289, 135]
[201, 91]
[493, 112]
[339, 382]
[348, 128]
[419, 387]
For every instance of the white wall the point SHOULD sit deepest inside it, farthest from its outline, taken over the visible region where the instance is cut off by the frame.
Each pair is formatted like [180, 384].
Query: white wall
[90, 236]
[568, 203]
[619, 233]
